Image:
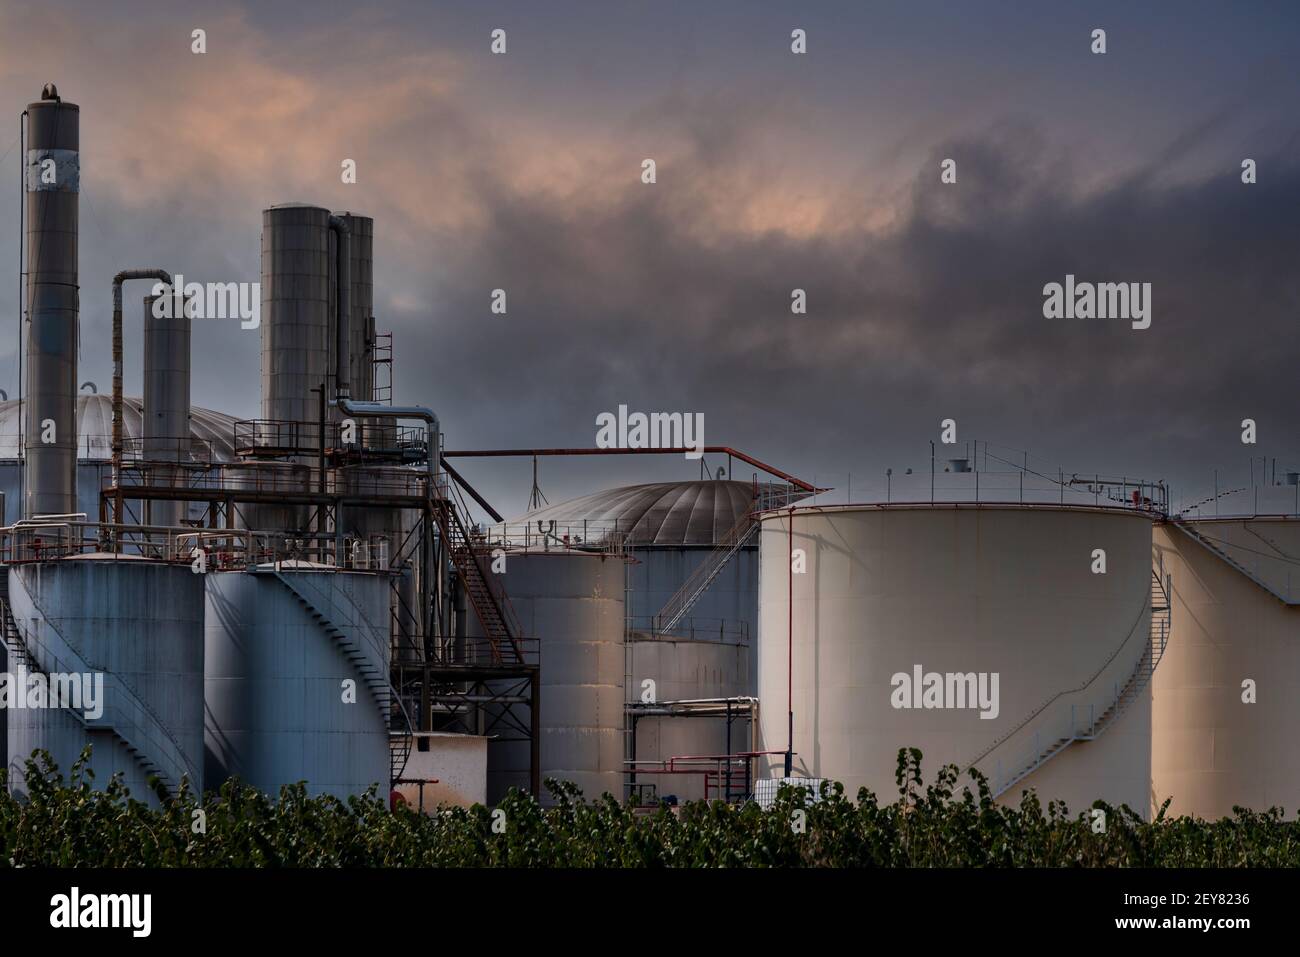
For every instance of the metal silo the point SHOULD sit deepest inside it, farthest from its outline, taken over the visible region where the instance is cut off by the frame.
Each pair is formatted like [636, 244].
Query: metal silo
[166, 402]
[572, 603]
[1226, 700]
[979, 634]
[296, 296]
[139, 625]
[296, 678]
[677, 535]
[52, 185]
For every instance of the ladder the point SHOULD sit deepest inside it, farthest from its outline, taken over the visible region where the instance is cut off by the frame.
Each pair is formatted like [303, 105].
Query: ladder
[382, 364]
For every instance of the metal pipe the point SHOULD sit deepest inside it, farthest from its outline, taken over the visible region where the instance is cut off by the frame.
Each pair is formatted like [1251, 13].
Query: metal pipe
[342, 304]
[158, 275]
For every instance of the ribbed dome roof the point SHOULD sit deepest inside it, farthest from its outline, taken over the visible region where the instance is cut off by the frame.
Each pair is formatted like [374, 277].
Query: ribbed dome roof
[95, 428]
[663, 513]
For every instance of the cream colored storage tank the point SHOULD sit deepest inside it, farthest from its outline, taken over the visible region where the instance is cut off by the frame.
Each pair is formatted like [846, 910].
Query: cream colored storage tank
[1234, 621]
[971, 591]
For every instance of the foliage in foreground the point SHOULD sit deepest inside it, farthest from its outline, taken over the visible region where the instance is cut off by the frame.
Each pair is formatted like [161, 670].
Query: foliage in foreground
[941, 825]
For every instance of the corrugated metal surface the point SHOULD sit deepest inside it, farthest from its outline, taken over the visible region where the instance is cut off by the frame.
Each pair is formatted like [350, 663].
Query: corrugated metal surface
[662, 513]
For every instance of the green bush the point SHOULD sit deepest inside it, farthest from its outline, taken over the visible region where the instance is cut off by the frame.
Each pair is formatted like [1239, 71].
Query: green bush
[73, 824]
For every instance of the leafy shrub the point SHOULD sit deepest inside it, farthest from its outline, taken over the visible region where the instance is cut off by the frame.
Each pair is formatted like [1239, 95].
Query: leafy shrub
[73, 824]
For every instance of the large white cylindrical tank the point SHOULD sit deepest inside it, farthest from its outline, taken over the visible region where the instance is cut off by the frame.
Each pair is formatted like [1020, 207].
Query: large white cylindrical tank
[1226, 699]
[572, 603]
[296, 679]
[884, 597]
[139, 625]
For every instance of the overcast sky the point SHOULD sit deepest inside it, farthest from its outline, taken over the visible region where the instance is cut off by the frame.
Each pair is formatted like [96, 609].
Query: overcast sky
[775, 171]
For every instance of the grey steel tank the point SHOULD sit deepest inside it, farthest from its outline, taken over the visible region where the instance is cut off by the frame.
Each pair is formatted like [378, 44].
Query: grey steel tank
[52, 185]
[572, 603]
[296, 309]
[138, 624]
[296, 678]
[166, 402]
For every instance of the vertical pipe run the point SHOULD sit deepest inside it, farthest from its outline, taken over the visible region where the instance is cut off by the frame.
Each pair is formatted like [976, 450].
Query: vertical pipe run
[789, 672]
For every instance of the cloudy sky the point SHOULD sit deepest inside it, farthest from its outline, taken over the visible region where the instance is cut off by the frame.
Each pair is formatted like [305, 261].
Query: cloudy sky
[775, 171]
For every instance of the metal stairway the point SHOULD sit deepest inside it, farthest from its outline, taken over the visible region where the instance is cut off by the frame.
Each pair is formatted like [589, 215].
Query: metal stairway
[385, 695]
[169, 767]
[704, 575]
[493, 610]
[1222, 555]
[1092, 724]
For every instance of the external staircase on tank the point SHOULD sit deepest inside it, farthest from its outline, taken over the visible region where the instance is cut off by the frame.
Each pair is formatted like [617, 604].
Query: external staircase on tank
[391, 709]
[706, 573]
[1212, 545]
[1092, 725]
[140, 731]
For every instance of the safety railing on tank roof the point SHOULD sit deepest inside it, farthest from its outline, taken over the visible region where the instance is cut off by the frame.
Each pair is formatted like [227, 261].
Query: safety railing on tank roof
[604, 537]
[1015, 487]
[49, 539]
[299, 479]
[177, 451]
[693, 628]
[296, 437]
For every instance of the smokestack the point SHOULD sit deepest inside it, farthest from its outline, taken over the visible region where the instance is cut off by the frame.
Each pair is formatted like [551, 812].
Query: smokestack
[52, 183]
[166, 399]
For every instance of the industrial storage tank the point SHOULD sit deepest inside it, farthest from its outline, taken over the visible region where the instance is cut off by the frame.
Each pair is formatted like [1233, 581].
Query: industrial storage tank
[571, 602]
[296, 678]
[1226, 699]
[211, 434]
[138, 624]
[673, 533]
[688, 674]
[980, 634]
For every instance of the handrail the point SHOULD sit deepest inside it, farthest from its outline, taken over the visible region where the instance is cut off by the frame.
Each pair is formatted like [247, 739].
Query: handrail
[698, 580]
[179, 762]
[1146, 603]
[1137, 680]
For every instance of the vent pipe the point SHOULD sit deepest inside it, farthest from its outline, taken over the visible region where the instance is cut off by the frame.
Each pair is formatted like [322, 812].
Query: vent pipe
[166, 401]
[158, 275]
[51, 186]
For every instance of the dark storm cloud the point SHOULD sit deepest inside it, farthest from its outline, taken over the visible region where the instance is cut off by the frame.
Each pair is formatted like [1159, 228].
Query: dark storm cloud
[652, 300]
